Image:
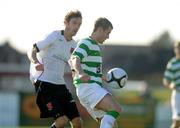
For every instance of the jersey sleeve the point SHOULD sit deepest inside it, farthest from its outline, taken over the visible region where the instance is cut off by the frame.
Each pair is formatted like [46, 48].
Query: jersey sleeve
[81, 51]
[168, 74]
[47, 41]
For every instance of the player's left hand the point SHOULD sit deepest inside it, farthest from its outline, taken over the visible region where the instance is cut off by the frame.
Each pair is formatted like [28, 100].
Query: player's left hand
[172, 86]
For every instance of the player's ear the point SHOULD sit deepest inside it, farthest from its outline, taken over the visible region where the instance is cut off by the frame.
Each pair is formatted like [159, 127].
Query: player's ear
[100, 29]
[65, 23]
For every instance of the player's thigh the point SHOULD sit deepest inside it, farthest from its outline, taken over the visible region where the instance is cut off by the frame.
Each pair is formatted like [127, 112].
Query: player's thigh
[108, 104]
[175, 104]
[175, 124]
[95, 114]
[71, 110]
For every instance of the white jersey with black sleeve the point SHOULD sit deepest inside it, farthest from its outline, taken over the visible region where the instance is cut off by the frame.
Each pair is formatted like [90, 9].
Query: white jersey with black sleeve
[54, 53]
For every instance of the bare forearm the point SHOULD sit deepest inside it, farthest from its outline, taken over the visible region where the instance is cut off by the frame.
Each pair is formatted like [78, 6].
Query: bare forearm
[79, 71]
[32, 55]
[76, 65]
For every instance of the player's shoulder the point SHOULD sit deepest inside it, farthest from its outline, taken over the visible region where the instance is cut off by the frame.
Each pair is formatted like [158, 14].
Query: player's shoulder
[55, 33]
[171, 62]
[81, 41]
[74, 43]
[52, 34]
[87, 41]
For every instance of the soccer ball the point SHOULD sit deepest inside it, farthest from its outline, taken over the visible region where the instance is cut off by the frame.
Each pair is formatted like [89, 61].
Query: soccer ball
[116, 78]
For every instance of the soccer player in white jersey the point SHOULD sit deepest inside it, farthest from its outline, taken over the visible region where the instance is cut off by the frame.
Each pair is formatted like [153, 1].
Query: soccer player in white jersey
[171, 80]
[48, 60]
[86, 63]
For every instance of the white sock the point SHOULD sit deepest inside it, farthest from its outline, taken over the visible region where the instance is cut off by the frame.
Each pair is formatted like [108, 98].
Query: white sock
[107, 121]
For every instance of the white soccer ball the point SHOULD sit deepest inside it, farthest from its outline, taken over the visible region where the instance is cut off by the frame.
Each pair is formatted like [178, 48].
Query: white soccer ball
[116, 78]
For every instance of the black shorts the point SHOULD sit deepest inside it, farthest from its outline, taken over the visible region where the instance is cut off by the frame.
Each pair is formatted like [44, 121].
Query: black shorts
[55, 101]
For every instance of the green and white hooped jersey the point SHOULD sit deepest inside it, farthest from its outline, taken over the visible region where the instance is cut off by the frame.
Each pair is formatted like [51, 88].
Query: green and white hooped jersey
[89, 53]
[172, 72]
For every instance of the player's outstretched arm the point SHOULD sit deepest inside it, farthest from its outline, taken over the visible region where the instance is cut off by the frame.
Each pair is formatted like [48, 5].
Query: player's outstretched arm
[76, 65]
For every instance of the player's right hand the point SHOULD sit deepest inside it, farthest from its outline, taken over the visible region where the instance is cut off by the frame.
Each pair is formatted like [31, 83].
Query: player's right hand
[104, 78]
[84, 77]
[39, 67]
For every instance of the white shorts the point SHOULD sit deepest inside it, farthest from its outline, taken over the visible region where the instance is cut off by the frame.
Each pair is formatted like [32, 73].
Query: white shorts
[175, 104]
[90, 95]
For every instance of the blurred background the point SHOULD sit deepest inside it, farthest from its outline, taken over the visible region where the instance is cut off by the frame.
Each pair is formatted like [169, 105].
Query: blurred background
[141, 43]
[145, 102]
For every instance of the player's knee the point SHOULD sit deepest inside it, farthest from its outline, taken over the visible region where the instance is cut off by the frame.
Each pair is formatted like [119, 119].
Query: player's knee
[60, 122]
[54, 125]
[76, 122]
[113, 113]
[118, 108]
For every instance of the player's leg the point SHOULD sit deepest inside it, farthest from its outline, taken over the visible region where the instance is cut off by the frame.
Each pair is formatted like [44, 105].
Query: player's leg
[48, 102]
[175, 104]
[97, 98]
[115, 124]
[108, 103]
[76, 123]
[74, 116]
[98, 115]
[112, 109]
[71, 110]
[57, 112]
[175, 124]
[60, 122]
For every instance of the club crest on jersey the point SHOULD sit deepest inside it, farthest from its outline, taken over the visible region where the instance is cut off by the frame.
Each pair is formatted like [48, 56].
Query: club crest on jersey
[49, 106]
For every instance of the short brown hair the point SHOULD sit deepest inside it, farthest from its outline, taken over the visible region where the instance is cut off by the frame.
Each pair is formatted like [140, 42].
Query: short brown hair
[102, 22]
[72, 14]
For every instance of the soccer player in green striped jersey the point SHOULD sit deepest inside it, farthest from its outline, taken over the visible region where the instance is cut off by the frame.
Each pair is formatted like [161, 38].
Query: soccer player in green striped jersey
[86, 62]
[172, 81]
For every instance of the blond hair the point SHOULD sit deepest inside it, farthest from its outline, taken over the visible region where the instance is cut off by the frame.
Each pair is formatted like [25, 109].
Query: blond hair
[102, 22]
[72, 14]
